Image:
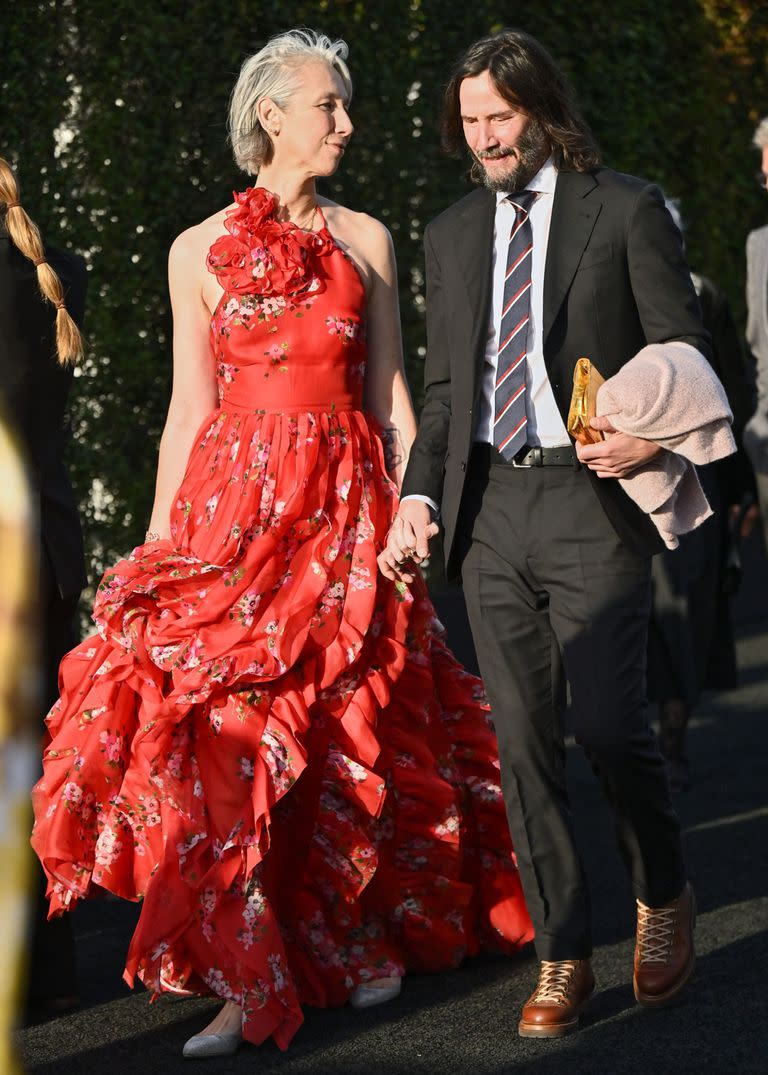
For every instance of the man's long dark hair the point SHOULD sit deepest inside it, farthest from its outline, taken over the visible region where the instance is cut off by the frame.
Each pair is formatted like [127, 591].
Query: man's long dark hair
[524, 74]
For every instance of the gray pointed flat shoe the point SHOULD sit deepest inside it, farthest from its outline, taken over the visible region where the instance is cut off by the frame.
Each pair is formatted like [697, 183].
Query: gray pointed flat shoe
[204, 1045]
[368, 996]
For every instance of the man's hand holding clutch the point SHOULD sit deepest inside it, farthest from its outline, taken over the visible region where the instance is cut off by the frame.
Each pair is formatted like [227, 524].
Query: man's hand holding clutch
[599, 446]
[618, 455]
[408, 540]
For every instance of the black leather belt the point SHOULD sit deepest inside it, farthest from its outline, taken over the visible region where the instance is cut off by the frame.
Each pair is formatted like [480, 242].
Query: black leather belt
[484, 454]
[545, 457]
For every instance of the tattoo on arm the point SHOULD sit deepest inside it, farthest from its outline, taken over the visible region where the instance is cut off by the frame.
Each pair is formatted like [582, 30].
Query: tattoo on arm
[394, 456]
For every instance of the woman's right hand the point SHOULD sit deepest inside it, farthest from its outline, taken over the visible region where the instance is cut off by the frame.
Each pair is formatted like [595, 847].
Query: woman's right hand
[154, 534]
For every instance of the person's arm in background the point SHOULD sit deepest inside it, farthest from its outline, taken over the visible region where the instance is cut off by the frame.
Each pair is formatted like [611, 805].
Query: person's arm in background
[735, 473]
[755, 437]
[730, 362]
[194, 392]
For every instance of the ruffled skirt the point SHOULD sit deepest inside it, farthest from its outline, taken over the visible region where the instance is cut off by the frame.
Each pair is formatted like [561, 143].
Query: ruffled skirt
[270, 744]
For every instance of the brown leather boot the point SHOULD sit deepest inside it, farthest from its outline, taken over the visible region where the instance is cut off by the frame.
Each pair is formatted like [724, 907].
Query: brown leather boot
[554, 1007]
[664, 956]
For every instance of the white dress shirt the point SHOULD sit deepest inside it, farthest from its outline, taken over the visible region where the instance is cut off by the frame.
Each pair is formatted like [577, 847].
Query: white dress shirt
[545, 425]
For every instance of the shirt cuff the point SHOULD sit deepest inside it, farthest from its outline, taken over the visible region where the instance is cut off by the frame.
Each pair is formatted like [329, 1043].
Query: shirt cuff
[425, 500]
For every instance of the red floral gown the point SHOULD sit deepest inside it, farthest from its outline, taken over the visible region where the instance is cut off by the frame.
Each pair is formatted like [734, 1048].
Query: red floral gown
[267, 742]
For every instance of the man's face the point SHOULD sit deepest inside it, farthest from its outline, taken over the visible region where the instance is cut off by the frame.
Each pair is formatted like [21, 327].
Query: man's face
[508, 145]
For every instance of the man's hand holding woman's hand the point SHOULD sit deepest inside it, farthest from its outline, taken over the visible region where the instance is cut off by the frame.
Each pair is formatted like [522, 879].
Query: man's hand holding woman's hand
[407, 541]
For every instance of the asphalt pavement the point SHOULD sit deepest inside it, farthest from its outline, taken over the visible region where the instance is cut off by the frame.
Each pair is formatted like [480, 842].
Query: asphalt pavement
[465, 1021]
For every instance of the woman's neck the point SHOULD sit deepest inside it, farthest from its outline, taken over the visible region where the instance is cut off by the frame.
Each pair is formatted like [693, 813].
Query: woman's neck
[296, 196]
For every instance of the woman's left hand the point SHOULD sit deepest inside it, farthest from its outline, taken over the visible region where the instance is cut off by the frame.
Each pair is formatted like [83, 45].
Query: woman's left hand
[618, 455]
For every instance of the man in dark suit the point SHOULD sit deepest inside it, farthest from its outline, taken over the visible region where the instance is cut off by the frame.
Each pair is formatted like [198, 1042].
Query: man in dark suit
[554, 259]
[35, 388]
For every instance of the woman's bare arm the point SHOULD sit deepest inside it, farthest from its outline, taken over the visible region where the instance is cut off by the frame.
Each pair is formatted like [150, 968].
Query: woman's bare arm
[386, 393]
[194, 392]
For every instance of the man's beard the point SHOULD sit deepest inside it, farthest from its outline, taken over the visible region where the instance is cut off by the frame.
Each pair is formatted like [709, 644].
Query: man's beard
[528, 156]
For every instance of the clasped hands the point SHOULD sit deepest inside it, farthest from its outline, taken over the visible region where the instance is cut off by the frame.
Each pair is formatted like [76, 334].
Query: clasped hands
[407, 541]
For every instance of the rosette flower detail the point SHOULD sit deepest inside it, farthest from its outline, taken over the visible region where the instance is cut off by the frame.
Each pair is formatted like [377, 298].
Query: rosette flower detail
[263, 255]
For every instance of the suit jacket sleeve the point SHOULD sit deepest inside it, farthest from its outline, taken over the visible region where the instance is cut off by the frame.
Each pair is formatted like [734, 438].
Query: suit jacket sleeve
[425, 470]
[661, 281]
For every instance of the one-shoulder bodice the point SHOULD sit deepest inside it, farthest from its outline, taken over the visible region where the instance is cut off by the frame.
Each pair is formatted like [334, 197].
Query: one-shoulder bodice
[289, 331]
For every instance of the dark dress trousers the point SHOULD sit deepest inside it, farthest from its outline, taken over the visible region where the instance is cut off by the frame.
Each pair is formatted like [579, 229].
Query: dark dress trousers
[554, 559]
[35, 388]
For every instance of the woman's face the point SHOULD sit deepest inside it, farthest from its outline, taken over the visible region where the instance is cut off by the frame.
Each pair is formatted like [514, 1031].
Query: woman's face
[314, 127]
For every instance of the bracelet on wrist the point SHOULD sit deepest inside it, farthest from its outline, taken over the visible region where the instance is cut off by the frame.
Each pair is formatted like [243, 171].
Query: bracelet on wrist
[151, 535]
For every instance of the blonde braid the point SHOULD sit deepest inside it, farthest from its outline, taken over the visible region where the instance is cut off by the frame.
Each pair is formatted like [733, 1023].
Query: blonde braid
[25, 235]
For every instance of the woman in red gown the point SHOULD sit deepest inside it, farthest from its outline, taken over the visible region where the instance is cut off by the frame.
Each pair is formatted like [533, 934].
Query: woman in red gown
[267, 742]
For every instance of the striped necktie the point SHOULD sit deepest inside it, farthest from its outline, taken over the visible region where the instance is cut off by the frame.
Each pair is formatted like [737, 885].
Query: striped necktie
[510, 420]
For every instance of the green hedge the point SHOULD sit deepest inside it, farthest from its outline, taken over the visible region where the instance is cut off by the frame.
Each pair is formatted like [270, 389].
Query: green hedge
[114, 113]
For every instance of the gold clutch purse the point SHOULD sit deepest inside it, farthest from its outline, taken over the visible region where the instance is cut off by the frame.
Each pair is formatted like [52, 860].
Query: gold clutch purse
[586, 381]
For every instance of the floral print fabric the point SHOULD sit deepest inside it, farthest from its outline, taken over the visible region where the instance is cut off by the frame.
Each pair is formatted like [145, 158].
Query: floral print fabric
[265, 741]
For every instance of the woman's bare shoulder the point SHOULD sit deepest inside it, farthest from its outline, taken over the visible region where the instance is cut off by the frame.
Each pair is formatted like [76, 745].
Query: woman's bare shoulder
[352, 222]
[195, 242]
[362, 235]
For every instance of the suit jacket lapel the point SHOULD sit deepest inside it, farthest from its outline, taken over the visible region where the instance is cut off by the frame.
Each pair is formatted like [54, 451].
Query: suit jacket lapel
[474, 251]
[573, 218]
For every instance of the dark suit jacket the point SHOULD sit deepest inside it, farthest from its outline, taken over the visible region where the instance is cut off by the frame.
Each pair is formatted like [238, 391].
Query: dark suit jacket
[35, 388]
[615, 279]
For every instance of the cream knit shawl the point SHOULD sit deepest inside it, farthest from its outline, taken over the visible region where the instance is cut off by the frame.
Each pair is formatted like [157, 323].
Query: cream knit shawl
[669, 393]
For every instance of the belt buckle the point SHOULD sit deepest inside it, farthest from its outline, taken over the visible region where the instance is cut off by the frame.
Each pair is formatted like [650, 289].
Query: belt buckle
[528, 451]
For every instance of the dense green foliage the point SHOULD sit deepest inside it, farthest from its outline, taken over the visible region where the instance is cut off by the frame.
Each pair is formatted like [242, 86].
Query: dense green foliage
[114, 114]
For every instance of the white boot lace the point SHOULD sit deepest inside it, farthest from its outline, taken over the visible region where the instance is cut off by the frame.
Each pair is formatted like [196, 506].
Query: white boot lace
[655, 933]
[555, 982]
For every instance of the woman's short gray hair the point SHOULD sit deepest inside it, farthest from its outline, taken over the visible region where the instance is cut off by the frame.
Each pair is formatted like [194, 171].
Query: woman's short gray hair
[760, 138]
[270, 72]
